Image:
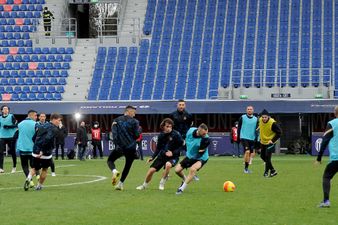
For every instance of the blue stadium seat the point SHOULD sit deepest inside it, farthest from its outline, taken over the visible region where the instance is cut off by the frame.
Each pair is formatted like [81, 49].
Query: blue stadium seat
[15, 97]
[31, 97]
[43, 89]
[35, 89]
[57, 96]
[40, 96]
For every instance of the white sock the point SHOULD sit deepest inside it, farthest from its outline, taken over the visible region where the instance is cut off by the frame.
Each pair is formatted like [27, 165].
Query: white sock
[163, 180]
[184, 185]
[114, 171]
[120, 183]
[29, 177]
[145, 184]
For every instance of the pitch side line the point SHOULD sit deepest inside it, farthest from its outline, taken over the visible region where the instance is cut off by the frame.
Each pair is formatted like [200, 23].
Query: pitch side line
[99, 178]
[21, 171]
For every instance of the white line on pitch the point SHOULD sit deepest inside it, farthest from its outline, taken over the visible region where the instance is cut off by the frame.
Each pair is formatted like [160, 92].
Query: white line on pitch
[99, 178]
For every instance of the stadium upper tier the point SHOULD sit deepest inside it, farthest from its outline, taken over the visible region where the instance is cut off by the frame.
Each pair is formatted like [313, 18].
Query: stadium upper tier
[194, 47]
[28, 73]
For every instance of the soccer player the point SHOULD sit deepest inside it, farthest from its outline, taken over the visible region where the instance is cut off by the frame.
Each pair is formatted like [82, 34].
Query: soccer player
[25, 142]
[269, 133]
[125, 131]
[247, 126]
[42, 121]
[166, 155]
[197, 142]
[182, 122]
[43, 149]
[8, 127]
[330, 138]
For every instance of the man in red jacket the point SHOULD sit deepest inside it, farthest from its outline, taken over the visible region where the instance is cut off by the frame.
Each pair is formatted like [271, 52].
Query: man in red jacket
[235, 141]
[96, 139]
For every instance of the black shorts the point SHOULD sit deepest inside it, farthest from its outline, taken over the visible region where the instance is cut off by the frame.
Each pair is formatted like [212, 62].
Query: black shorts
[41, 163]
[187, 163]
[248, 145]
[161, 161]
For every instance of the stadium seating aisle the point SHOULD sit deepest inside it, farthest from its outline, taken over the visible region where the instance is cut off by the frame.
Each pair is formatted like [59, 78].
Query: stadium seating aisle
[27, 72]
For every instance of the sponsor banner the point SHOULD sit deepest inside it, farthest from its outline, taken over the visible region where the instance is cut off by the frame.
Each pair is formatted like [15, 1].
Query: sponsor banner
[163, 107]
[220, 144]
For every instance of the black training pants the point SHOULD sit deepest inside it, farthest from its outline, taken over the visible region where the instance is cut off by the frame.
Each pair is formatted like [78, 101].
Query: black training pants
[129, 154]
[11, 145]
[330, 170]
[61, 145]
[97, 144]
[26, 163]
[266, 155]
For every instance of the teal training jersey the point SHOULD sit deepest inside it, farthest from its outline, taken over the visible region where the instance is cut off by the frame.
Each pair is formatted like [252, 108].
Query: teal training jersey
[248, 129]
[6, 132]
[26, 133]
[193, 146]
[333, 144]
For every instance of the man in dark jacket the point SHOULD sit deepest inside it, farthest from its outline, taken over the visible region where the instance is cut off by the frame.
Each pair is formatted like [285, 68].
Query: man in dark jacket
[125, 131]
[60, 141]
[81, 140]
[47, 20]
[43, 149]
[166, 155]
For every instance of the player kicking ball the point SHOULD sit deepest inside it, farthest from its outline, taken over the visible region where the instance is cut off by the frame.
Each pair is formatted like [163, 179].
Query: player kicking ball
[197, 142]
[166, 155]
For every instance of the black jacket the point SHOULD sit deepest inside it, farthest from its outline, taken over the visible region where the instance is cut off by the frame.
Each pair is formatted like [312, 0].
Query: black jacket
[171, 141]
[182, 121]
[45, 142]
[81, 136]
[62, 134]
[125, 130]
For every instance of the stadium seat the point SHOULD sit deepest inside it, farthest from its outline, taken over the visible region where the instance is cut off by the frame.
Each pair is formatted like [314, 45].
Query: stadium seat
[57, 96]
[35, 89]
[17, 89]
[51, 89]
[26, 89]
[49, 96]
[23, 97]
[43, 89]
[31, 97]
[15, 97]
[60, 89]
[40, 96]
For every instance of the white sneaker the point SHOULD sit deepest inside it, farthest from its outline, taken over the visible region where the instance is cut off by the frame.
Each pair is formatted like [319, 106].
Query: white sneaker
[196, 178]
[13, 170]
[2, 171]
[53, 174]
[161, 187]
[119, 187]
[141, 187]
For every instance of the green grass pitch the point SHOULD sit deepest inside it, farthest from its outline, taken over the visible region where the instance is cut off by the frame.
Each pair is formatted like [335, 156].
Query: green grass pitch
[289, 198]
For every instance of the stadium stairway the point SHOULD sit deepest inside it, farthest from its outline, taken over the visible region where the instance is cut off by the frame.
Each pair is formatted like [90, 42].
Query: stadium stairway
[81, 70]
[134, 9]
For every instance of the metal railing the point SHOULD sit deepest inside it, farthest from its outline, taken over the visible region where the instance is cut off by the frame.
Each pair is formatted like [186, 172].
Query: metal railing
[111, 28]
[303, 77]
[66, 29]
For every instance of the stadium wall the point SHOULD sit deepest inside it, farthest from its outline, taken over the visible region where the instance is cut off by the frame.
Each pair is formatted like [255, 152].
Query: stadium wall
[165, 107]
